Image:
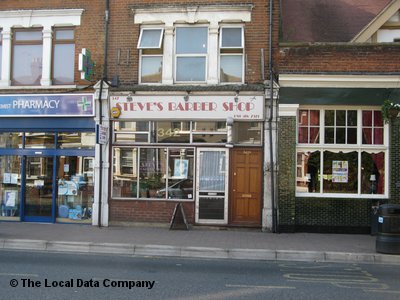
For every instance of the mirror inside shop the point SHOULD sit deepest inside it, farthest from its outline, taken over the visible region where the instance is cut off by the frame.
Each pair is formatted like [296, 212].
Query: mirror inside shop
[72, 191]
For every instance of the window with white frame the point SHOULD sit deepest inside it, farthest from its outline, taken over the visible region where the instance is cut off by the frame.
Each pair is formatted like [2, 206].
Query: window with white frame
[151, 54]
[27, 57]
[131, 131]
[63, 55]
[42, 54]
[341, 152]
[185, 132]
[191, 54]
[192, 49]
[153, 172]
[231, 54]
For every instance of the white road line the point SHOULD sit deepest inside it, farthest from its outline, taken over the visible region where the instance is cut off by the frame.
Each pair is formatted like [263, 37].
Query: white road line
[259, 286]
[384, 291]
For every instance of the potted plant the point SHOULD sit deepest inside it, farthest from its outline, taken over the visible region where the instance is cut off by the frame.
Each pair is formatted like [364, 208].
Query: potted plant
[154, 182]
[390, 110]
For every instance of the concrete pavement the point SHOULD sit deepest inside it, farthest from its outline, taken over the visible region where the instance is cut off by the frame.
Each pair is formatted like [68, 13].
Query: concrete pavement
[143, 240]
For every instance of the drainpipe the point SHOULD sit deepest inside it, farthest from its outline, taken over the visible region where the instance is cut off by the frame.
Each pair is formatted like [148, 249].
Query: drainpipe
[104, 77]
[271, 115]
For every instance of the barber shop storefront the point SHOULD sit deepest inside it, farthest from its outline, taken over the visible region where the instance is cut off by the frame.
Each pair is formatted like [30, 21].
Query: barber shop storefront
[204, 151]
[47, 144]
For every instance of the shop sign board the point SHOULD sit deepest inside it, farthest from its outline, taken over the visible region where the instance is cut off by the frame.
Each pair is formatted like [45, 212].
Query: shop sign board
[196, 107]
[101, 134]
[86, 65]
[47, 105]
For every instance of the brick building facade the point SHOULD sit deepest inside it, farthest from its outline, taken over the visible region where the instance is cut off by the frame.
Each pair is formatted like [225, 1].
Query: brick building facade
[218, 134]
[183, 90]
[333, 80]
[47, 115]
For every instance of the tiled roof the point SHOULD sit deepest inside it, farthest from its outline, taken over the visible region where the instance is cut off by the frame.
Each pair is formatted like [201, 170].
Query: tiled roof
[327, 20]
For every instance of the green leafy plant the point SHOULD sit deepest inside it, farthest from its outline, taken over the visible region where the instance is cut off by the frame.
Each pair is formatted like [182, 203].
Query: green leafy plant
[389, 110]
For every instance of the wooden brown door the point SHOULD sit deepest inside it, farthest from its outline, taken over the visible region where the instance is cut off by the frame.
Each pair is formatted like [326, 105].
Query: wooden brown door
[245, 189]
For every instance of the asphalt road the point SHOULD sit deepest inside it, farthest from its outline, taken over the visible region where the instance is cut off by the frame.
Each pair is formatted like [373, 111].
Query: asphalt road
[38, 275]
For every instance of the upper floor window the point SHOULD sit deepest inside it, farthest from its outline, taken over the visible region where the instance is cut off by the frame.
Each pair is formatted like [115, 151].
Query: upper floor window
[191, 54]
[193, 44]
[27, 57]
[42, 55]
[231, 54]
[63, 56]
[150, 45]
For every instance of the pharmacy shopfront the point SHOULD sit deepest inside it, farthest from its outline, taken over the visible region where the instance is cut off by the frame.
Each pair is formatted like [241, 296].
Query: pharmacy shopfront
[204, 151]
[47, 152]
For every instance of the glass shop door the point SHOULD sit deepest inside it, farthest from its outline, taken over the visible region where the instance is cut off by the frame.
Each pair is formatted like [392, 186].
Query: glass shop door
[212, 186]
[39, 186]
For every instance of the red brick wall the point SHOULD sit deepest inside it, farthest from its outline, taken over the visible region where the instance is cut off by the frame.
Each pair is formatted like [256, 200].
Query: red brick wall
[88, 35]
[123, 33]
[340, 58]
[124, 36]
[147, 211]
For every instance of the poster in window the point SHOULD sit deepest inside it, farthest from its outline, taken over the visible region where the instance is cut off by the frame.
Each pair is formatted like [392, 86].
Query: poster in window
[340, 171]
[7, 178]
[181, 167]
[10, 198]
[14, 178]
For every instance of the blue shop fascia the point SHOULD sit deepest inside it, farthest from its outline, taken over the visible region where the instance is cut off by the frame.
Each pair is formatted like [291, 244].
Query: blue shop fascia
[47, 152]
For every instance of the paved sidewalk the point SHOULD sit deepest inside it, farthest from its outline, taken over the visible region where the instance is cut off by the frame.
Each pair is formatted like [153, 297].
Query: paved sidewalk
[197, 242]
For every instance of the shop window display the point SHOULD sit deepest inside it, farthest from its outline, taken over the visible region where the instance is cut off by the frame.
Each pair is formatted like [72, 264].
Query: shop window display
[77, 140]
[75, 189]
[39, 140]
[154, 173]
[357, 167]
[10, 140]
[10, 187]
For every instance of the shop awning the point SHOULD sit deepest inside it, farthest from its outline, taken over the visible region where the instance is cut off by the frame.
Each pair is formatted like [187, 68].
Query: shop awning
[337, 96]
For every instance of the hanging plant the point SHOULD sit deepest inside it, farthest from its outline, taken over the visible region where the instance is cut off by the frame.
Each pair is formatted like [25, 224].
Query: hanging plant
[390, 110]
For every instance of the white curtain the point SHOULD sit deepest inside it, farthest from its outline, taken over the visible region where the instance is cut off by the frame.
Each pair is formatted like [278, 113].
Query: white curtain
[212, 171]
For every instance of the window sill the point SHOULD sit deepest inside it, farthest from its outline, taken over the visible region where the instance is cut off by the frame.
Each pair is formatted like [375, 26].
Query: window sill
[341, 196]
[38, 87]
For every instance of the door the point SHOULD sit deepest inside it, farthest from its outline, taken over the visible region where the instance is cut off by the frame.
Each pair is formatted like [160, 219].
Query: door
[38, 192]
[212, 186]
[246, 174]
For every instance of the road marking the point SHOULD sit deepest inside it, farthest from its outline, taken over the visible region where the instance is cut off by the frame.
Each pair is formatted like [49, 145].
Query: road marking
[384, 291]
[366, 286]
[17, 274]
[330, 277]
[259, 286]
[294, 266]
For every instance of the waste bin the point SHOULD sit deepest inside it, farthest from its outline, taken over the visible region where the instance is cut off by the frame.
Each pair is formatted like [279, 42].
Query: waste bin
[374, 214]
[388, 238]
